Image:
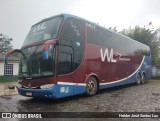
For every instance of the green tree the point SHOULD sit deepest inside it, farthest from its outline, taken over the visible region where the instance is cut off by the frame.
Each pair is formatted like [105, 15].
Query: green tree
[148, 36]
[5, 43]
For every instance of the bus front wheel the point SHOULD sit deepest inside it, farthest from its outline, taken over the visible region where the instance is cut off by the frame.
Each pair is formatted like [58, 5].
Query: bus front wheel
[91, 86]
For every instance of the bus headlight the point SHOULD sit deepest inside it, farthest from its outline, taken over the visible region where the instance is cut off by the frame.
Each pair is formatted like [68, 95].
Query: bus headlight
[18, 85]
[19, 80]
[46, 86]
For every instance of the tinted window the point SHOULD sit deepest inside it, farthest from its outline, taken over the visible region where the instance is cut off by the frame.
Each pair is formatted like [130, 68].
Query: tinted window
[65, 58]
[73, 32]
[108, 40]
[124, 44]
[73, 35]
[116, 41]
[95, 34]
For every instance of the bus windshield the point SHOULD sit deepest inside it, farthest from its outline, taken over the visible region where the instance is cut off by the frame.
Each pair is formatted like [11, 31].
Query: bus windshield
[32, 63]
[43, 31]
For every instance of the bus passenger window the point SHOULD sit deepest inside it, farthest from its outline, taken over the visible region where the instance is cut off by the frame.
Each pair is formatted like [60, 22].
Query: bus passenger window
[73, 35]
[95, 35]
[72, 31]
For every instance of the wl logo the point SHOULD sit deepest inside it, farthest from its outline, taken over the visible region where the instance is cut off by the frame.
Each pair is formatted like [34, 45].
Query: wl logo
[108, 55]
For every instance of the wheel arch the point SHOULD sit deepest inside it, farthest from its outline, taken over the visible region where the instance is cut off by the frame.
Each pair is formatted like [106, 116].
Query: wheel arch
[144, 73]
[95, 76]
[138, 73]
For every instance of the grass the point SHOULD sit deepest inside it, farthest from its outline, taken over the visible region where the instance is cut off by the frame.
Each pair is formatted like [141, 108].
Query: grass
[8, 78]
[154, 81]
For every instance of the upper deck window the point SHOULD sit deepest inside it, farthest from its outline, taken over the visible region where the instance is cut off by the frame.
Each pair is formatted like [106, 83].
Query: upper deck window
[73, 35]
[44, 30]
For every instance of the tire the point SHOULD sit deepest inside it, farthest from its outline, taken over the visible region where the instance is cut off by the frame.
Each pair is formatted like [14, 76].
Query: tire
[138, 79]
[143, 79]
[91, 86]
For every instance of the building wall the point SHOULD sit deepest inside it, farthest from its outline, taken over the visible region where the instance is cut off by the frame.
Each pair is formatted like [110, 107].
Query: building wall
[14, 77]
[1, 69]
[15, 68]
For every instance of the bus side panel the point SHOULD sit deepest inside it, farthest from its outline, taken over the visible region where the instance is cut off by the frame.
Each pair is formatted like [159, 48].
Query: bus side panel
[64, 91]
[114, 84]
[79, 90]
[69, 90]
[145, 67]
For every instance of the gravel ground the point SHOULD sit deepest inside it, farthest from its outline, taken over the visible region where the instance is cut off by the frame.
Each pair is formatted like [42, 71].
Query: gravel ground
[4, 88]
[130, 98]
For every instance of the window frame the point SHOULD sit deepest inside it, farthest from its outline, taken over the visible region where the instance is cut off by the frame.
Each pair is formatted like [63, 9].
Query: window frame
[5, 73]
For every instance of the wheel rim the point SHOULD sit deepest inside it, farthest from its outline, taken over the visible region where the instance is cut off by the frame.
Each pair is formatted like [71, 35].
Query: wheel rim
[138, 79]
[143, 79]
[91, 87]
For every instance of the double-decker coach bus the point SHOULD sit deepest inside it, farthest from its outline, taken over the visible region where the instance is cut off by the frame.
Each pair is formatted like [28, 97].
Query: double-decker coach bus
[65, 55]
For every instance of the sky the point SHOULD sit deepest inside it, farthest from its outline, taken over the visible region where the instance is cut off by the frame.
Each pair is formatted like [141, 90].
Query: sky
[17, 16]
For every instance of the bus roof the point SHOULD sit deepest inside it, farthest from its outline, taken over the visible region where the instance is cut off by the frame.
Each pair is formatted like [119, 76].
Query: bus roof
[65, 15]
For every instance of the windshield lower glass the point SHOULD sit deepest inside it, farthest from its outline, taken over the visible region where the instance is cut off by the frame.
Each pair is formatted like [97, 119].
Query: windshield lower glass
[44, 30]
[32, 63]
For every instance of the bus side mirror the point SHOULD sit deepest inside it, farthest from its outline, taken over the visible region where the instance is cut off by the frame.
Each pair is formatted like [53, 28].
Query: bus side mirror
[45, 54]
[46, 47]
[6, 60]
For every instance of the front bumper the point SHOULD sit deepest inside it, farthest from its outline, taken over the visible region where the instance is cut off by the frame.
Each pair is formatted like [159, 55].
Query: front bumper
[57, 91]
[40, 93]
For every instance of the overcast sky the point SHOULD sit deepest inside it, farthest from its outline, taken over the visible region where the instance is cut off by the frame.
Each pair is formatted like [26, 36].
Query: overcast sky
[17, 16]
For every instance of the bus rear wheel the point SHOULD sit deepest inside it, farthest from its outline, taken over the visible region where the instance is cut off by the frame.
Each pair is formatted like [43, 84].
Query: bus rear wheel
[143, 78]
[91, 86]
[138, 79]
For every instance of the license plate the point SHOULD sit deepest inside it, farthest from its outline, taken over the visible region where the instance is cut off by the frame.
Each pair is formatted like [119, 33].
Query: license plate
[29, 93]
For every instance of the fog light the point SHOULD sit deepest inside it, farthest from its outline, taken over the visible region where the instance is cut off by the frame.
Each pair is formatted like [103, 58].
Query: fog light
[46, 86]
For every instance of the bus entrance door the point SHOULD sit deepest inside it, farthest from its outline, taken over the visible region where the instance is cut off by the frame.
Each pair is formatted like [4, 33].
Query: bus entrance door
[65, 67]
